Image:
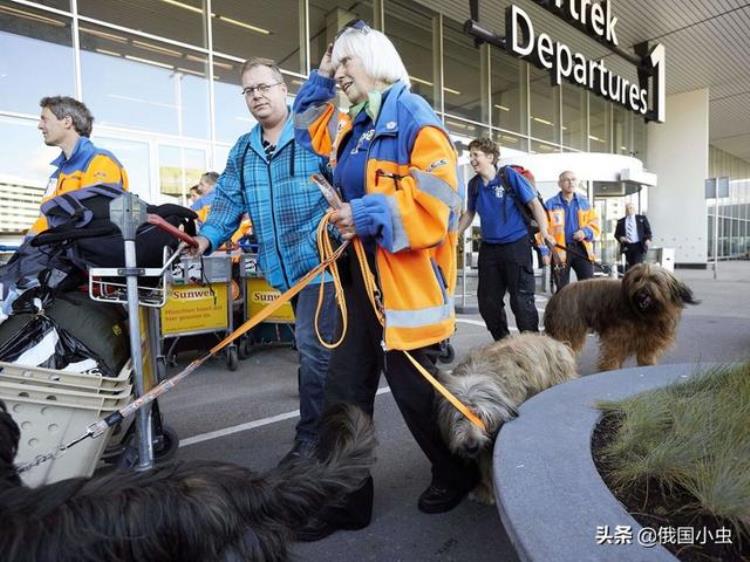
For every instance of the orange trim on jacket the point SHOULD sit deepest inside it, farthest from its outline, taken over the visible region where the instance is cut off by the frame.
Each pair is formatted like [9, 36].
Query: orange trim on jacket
[87, 166]
[587, 218]
[412, 171]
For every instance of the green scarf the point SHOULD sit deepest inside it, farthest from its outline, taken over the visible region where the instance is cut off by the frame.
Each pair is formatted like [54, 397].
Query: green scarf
[371, 105]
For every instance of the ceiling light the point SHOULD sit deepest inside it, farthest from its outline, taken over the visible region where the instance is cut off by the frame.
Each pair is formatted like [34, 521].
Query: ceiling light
[225, 19]
[223, 65]
[149, 61]
[31, 16]
[428, 83]
[597, 139]
[106, 52]
[157, 48]
[183, 6]
[542, 121]
[188, 71]
[242, 24]
[509, 139]
[420, 80]
[502, 107]
[104, 35]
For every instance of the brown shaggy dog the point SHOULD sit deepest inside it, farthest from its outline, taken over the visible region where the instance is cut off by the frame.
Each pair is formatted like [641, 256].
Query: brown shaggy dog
[494, 381]
[636, 316]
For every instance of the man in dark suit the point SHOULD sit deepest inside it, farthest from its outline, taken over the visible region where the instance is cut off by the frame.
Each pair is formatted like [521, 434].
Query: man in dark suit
[634, 234]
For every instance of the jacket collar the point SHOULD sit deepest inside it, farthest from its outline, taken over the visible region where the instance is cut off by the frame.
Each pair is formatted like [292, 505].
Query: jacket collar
[387, 122]
[83, 145]
[287, 135]
[562, 199]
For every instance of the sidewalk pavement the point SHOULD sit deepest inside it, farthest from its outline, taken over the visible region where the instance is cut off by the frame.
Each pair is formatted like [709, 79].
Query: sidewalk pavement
[728, 295]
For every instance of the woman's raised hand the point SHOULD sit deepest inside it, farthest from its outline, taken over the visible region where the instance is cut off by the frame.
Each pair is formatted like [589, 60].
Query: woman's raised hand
[326, 65]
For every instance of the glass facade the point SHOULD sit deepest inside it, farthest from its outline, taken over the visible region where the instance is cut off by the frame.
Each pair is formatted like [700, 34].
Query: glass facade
[162, 80]
[733, 211]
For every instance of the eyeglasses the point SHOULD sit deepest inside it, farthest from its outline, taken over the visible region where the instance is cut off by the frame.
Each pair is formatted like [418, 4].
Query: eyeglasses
[358, 24]
[262, 89]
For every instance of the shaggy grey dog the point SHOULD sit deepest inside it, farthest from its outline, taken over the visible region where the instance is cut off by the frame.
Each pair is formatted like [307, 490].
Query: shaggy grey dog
[494, 381]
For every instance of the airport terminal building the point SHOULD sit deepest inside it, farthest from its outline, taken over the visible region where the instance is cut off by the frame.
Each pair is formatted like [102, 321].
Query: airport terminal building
[564, 91]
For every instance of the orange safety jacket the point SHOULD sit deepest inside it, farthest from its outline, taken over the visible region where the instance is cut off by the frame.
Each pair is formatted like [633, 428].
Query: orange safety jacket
[87, 166]
[588, 222]
[412, 166]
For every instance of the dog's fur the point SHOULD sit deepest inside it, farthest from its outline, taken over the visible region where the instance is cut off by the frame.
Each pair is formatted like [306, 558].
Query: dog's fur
[635, 316]
[202, 511]
[493, 381]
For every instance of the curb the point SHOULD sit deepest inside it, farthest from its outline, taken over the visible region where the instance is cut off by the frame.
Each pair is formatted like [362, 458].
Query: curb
[549, 493]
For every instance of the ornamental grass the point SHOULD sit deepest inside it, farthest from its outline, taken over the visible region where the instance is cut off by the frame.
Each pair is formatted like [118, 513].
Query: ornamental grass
[690, 438]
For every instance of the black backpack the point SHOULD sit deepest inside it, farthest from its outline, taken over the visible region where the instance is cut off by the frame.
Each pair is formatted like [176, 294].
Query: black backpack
[82, 236]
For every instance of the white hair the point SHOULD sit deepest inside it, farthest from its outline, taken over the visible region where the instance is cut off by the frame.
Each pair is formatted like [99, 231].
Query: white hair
[379, 57]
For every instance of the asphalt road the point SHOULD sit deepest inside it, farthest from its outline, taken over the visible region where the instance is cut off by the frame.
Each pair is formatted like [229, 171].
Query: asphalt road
[248, 417]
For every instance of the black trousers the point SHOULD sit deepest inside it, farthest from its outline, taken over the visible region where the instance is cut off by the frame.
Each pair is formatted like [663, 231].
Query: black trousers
[634, 254]
[507, 267]
[577, 260]
[353, 376]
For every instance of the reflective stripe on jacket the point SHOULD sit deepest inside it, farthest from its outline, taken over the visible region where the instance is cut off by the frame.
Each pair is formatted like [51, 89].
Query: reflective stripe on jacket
[587, 221]
[87, 166]
[411, 185]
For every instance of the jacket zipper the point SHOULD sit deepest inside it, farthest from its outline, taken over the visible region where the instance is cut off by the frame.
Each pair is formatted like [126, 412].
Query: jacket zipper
[275, 226]
[377, 269]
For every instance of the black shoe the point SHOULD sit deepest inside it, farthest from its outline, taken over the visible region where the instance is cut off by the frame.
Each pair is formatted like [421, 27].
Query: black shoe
[353, 514]
[300, 449]
[439, 499]
[318, 529]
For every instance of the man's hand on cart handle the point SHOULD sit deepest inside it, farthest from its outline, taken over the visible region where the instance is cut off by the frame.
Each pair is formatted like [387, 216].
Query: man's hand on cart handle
[201, 248]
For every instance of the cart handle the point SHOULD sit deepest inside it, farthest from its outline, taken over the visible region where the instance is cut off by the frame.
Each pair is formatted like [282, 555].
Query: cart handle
[159, 222]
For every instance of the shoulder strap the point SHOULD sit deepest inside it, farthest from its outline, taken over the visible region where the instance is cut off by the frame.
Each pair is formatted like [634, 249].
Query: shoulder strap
[525, 212]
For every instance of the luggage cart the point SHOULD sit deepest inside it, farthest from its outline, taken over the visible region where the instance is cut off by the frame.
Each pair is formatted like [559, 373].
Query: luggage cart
[256, 294]
[199, 301]
[136, 444]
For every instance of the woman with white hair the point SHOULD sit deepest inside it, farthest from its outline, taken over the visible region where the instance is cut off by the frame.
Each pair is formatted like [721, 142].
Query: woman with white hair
[395, 168]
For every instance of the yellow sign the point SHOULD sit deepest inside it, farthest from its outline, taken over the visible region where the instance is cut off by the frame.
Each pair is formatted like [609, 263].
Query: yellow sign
[172, 182]
[149, 377]
[195, 308]
[260, 294]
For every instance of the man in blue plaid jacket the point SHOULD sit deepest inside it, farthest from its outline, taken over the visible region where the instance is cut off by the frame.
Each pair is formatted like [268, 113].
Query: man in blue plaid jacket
[268, 176]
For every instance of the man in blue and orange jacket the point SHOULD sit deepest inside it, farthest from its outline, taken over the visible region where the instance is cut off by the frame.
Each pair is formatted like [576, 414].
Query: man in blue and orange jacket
[574, 224]
[66, 123]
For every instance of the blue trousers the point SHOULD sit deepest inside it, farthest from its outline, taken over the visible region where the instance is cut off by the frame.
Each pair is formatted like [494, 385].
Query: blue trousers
[313, 357]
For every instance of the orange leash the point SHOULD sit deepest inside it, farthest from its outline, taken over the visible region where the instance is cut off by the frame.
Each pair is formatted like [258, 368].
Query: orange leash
[373, 294]
[328, 261]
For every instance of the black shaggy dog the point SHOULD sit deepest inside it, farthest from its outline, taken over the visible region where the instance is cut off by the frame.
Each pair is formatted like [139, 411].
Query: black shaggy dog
[201, 511]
